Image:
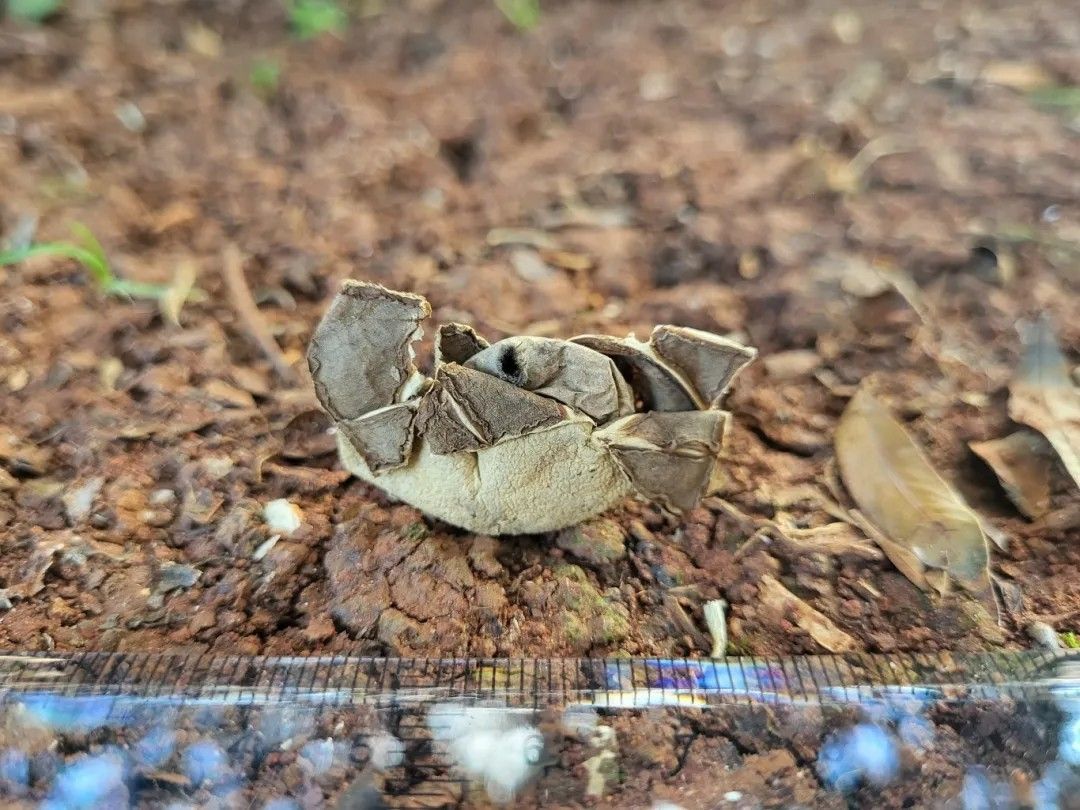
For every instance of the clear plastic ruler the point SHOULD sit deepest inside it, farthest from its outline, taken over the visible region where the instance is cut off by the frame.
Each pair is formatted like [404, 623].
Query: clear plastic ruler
[177, 730]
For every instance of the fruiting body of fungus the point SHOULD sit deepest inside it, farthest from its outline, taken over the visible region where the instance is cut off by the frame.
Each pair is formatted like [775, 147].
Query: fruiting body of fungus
[525, 435]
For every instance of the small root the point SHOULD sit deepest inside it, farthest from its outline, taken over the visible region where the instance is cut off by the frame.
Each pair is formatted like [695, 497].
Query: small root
[232, 268]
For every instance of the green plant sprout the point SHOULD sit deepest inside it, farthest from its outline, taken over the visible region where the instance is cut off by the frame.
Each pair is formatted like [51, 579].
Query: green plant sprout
[1061, 97]
[265, 77]
[310, 18]
[33, 11]
[88, 252]
[1070, 640]
[523, 14]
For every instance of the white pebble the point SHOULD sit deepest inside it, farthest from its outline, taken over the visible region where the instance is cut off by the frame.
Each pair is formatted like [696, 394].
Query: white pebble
[732, 796]
[282, 516]
[79, 500]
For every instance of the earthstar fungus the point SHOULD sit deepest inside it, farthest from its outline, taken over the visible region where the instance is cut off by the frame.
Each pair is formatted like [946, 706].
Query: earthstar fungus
[529, 434]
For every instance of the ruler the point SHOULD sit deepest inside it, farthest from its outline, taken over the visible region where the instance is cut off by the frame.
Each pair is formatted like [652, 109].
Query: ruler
[397, 697]
[602, 683]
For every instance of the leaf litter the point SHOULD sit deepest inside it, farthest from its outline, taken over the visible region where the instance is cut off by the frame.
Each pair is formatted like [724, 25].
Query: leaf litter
[921, 523]
[1023, 464]
[1043, 396]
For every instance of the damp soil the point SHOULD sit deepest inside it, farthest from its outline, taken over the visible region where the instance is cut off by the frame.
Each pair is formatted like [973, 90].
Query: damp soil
[741, 169]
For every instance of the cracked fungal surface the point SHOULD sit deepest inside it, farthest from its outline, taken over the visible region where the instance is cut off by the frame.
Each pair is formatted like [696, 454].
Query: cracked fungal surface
[526, 435]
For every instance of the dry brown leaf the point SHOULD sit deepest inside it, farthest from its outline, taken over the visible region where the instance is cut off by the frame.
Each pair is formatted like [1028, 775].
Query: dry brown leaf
[497, 237]
[1043, 397]
[1022, 464]
[776, 598]
[568, 259]
[1022, 76]
[926, 529]
[175, 214]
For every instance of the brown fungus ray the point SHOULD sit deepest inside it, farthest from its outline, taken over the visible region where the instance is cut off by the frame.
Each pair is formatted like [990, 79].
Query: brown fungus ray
[360, 355]
[660, 387]
[709, 362]
[384, 437]
[668, 457]
[466, 409]
[456, 343]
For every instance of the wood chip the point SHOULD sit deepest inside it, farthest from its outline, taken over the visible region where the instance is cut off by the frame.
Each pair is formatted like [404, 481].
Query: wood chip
[784, 604]
[568, 260]
[221, 391]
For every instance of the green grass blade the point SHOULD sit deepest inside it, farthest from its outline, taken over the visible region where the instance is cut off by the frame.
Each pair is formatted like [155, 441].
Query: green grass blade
[33, 11]
[1065, 97]
[63, 250]
[523, 14]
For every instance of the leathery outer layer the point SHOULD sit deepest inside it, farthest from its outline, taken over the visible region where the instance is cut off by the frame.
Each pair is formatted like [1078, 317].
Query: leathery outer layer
[525, 435]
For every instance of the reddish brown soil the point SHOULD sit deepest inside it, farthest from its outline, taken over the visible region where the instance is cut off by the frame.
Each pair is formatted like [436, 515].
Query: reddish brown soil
[694, 163]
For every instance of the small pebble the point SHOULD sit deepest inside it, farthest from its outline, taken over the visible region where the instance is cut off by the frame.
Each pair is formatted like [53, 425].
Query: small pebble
[162, 497]
[79, 500]
[176, 575]
[217, 467]
[158, 518]
[732, 796]
[657, 86]
[282, 516]
[264, 548]
[1045, 635]
[131, 117]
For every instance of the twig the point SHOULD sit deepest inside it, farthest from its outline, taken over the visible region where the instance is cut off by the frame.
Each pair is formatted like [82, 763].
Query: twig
[716, 621]
[251, 319]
